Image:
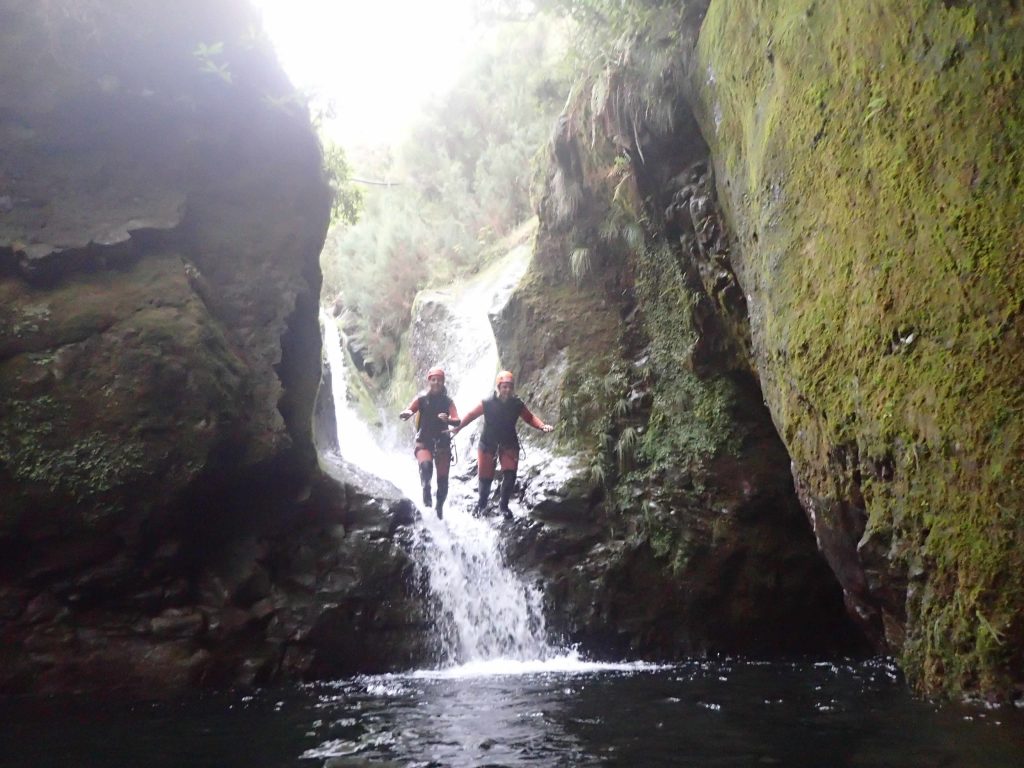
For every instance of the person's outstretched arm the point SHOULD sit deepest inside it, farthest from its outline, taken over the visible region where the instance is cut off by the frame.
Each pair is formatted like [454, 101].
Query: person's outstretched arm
[413, 407]
[474, 413]
[528, 416]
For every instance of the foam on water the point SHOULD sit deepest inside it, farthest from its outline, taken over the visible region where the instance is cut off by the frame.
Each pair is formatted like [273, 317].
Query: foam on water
[569, 663]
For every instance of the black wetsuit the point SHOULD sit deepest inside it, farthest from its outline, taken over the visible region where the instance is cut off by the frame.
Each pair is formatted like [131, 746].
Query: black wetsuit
[500, 417]
[431, 432]
[432, 436]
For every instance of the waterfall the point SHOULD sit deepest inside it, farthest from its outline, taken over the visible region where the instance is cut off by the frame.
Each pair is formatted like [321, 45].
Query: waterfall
[355, 441]
[489, 615]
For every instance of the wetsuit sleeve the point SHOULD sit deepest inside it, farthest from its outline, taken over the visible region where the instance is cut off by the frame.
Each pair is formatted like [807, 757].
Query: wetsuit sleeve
[453, 415]
[527, 415]
[475, 413]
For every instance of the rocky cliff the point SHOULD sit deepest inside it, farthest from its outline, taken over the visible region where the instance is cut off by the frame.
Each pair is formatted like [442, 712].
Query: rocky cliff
[163, 521]
[821, 276]
[675, 528]
[868, 158]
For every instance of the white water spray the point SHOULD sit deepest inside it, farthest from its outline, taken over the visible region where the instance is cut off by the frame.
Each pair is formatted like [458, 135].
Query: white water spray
[489, 615]
[356, 443]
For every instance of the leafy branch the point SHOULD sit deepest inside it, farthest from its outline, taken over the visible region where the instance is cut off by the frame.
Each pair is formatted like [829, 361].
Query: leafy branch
[210, 60]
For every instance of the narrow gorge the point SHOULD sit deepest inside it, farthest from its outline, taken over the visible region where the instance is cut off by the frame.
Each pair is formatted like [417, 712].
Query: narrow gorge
[771, 296]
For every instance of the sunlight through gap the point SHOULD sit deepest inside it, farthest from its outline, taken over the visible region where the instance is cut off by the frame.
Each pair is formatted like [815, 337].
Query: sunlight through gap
[374, 63]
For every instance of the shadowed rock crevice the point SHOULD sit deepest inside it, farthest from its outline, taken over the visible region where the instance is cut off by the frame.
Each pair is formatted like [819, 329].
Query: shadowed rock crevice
[44, 266]
[300, 352]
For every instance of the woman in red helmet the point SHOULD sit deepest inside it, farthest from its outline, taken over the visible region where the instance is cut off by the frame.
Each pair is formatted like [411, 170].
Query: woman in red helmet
[499, 443]
[433, 442]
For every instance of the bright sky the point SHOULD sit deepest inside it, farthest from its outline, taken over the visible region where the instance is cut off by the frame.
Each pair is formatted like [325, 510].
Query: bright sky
[377, 60]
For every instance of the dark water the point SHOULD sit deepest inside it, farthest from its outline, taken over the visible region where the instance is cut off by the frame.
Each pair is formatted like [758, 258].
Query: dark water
[707, 714]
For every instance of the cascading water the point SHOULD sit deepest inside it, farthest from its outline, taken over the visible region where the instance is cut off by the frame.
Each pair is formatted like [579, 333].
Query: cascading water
[355, 441]
[489, 615]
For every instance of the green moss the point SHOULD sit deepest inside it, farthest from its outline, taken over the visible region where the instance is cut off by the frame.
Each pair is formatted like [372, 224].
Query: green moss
[594, 406]
[34, 449]
[869, 156]
[402, 387]
[630, 399]
[691, 418]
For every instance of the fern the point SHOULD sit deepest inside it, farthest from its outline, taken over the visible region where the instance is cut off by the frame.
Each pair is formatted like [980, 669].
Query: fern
[207, 55]
[625, 447]
[633, 234]
[220, 70]
[608, 231]
[204, 51]
[580, 263]
[875, 107]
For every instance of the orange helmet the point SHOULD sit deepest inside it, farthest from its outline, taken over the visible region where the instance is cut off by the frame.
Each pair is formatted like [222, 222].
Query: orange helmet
[504, 377]
[435, 371]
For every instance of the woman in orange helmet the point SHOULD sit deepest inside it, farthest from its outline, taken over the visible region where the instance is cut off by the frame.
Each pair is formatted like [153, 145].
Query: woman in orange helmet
[433, 442]
[499, 443]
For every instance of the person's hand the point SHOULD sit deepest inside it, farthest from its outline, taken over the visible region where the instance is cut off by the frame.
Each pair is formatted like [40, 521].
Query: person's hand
[405, 415]
[547, 428]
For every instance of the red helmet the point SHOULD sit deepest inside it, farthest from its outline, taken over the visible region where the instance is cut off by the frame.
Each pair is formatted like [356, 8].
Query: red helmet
[437, 371]
[504, 377]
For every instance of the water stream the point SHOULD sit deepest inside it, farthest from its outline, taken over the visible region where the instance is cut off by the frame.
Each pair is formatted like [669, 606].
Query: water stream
[504, 695]
[491, 619]
[728, 713]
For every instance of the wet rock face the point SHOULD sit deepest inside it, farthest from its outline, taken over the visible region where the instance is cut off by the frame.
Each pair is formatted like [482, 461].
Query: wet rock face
[320, 595]
[674, 527]
[154, 316]
[434, 330]
[162, 207]
[868, 164]
[670, 573]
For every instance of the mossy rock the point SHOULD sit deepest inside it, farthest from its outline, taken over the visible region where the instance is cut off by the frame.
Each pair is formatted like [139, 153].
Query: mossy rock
[869, 160]
[686, 536]
[130, 357]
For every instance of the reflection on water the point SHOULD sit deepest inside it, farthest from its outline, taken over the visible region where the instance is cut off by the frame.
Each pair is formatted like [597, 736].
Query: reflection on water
[723, 713]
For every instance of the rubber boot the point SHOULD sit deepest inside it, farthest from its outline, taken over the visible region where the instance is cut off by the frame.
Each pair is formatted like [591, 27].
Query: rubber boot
[508, 484]
[485, 494]
[426, 469]
[442, 494]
